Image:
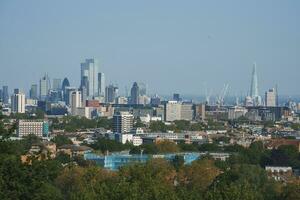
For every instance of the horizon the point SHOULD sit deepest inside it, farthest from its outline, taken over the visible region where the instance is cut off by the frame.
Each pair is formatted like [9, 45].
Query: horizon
[200, 43]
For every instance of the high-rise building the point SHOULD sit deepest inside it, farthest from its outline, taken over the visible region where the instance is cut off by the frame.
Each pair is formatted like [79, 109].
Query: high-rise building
[135, 93]
[200, 112]
[176, 97]
[143, 88]
[271, 98]
[89, 77]
[33, 93]
[122, 122]
[155, 100]
[101, 82]
[187, 111]
[18, 102]
[67, 94]
[1, 95]
[111, 92]
[75, 101]
[44, 87]
[64, 85]
[5, 94]
[172, 111]
[56, 84]
[254, 94]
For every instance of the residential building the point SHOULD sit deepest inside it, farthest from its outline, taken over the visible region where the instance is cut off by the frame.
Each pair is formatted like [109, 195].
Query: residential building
[39, 128]
[271, 98]
[122, 122]
[18, 103]
[172, 111]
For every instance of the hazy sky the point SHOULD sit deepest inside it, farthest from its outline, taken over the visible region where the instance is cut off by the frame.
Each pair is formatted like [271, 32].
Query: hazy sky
[173, 46]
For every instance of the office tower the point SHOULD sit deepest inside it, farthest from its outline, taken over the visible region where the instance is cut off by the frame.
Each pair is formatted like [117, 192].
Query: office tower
[101, 82]
[89, 77]
[33, 93]
[5, 94]
[75, 101]
[64, 85]
[39, 128]
[271, 98]
[155, 100]
[122, 122]
[67, 94]
[135, 93]
[1, 95]
[111, 92]
[200, 112]
[143, 88]
[172, 111]
[18, 103]
[56, 84]
[254, 88]
[16, 91]
[176, 97]
[44, 87]
[187, 111]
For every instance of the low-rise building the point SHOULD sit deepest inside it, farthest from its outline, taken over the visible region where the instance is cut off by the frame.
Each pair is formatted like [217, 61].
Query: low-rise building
[39, 128]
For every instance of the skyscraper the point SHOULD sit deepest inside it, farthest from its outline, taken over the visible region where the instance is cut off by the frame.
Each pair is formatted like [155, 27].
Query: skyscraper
[254, 94]
[271, 98]
[5, 94]
[33, 93]
[254, 83]
[64, 85]
[18, 103]
[111, 92]
[44, 87]
[1, 95]
[135, 93]
[56, 84]
[75, 101]
[101, 82]
[89, 77]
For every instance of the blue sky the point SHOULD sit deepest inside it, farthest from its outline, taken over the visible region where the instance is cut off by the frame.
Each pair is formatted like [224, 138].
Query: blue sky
[173, 46]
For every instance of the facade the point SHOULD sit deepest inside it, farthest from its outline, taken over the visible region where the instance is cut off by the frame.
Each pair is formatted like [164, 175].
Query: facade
[135, 94]
[111, 92]
[187, 112]
[122, 122]
[271, 98]
[254, 94]
[101, 82]
[56, 84]
[89, 77]
[18, 103]
[44, 87]
[236, 112]
[5, 94]
[200, 112]
[39, 128]
[33, 93]
[172, 111]
[75, 101]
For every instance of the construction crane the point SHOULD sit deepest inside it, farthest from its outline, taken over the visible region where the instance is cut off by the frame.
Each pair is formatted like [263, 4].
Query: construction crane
[222, 95]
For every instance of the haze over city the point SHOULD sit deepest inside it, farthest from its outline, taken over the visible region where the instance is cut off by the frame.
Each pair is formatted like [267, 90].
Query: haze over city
[172, 46]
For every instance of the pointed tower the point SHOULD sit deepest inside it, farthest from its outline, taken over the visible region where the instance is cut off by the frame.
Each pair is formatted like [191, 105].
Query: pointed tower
[254, 83]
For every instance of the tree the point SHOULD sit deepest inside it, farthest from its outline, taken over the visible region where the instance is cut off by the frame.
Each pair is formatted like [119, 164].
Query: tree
[60, 140]
[166, 146]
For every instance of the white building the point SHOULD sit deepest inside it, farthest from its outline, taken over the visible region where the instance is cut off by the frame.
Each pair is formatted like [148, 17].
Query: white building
[122, 122]
[18, 103]
[236, 112]
[39, 128]
[137, 141]
[75, 101]
[172, 111]
[271, 98]
[125, 137]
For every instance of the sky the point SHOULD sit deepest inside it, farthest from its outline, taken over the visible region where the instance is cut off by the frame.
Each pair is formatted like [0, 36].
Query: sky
[171, 45]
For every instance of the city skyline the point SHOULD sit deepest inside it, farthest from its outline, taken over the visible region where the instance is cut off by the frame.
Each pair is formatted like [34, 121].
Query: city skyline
[199, 42]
